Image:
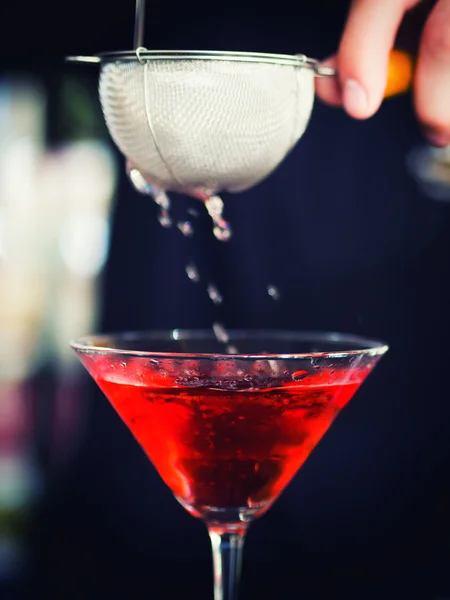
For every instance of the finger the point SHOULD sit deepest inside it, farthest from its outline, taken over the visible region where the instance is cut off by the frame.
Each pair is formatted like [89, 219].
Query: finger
[399, 78]
[363, 57]
[328, 88]
[432, 83]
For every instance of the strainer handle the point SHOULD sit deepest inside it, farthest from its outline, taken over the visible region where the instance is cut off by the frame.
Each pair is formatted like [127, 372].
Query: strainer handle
[139, 24]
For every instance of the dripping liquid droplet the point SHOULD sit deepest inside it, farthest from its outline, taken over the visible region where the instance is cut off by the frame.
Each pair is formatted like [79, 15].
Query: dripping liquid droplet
[159, 196]
[273, 292]
[221, 333]
[232, 349]
[186, 228]
[162, 200]
[164, 219]
[192, 273]
[214, 294]
[222, 229]
[138, 181]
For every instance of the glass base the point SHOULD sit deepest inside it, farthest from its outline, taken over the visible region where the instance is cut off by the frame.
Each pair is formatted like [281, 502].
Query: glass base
[233, 517]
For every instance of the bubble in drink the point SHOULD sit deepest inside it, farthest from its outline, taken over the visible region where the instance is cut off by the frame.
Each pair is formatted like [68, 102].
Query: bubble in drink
[299, 375]
[273, 292]
[214, 294]
[192, 273]
[185, 227]
[221, 333]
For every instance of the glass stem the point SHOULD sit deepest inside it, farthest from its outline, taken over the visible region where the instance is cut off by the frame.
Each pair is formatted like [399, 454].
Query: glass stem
[227, 546]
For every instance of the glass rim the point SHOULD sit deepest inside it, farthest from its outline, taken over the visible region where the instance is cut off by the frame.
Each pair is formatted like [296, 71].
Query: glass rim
[100, 344]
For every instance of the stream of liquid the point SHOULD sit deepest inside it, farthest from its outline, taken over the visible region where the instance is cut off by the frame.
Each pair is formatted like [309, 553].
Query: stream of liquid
[221, 229]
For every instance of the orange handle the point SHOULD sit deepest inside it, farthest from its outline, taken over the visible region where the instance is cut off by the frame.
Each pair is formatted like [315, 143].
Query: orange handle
[400, 73]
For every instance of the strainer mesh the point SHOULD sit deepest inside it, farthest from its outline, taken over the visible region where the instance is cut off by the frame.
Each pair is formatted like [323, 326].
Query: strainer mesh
[214, 124]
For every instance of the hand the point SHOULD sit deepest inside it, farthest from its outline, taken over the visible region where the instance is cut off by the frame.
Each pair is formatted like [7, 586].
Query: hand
[362, 63]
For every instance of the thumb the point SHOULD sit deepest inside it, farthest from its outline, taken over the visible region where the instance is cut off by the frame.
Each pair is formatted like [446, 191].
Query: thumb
[363, 56]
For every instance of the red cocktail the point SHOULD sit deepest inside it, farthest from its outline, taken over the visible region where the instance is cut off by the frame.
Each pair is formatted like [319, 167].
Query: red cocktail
[228, 432]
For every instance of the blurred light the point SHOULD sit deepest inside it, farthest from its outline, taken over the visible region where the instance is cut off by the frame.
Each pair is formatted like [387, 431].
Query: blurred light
[14, 422]
[20, 482]
[22, 110]
[22, 304]
[84, 244]
[81, 179]
[90, 174]
[55, 206]
[430, 167]
[20, 485]
[54, 232]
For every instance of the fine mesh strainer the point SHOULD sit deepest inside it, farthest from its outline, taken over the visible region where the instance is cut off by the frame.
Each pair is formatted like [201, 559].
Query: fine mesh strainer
[200, 122]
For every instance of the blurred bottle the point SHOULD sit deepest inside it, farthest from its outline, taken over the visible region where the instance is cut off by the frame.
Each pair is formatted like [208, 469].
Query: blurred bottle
[55, 206]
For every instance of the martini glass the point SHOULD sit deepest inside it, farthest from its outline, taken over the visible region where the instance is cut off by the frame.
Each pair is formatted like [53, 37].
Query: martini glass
[227, 432]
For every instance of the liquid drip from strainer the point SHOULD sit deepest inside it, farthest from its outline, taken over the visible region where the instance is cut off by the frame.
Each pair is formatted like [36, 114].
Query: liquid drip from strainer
[213, 204]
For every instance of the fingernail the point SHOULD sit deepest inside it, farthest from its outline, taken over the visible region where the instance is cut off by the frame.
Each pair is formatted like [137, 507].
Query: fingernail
[437, 138]
[355, 99]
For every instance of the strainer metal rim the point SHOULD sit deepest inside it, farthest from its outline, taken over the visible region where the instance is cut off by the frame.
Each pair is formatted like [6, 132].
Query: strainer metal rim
[144, 55]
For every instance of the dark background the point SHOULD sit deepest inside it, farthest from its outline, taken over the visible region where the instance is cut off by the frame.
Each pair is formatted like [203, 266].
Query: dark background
[353, 245]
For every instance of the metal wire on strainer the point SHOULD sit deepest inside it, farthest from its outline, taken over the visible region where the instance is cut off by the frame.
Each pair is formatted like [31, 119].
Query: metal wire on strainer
[200, 122]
